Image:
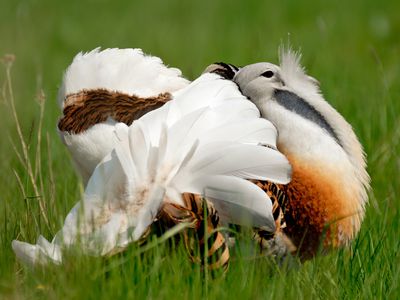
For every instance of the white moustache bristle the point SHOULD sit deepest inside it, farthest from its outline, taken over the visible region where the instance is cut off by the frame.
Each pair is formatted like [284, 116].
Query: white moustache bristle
[128, 71]
[293, 74]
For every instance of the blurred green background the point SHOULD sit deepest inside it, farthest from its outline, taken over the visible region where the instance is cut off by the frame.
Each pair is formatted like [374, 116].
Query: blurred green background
[358, 37]
[351, 47]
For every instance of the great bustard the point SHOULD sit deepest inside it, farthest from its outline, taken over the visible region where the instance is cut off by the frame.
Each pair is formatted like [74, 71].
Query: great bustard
[144, 138]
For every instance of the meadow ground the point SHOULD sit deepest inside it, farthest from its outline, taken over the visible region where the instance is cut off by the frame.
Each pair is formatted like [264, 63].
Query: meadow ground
[352, 47]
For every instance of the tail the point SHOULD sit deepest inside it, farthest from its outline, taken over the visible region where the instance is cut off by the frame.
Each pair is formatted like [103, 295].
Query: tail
[101, 88]
[208, 140]
[127, 71]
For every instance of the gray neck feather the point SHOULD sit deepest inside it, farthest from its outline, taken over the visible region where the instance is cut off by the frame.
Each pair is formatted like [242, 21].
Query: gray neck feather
[298, 105]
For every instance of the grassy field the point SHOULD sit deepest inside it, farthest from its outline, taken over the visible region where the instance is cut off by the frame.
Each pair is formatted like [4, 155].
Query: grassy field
[352, 47]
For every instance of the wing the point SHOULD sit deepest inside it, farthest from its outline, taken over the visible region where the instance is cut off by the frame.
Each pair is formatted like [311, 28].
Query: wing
[215, 139]
[205, 141]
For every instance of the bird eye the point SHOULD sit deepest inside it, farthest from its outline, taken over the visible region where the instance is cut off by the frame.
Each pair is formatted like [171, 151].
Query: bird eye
[268, 74]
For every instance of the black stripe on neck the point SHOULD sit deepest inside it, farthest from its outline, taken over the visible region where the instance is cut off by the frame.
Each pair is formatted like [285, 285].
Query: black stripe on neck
[301, 107]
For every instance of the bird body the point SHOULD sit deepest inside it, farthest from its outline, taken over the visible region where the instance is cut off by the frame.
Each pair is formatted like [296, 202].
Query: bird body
[152, 146]
[327, 194]
[324, 185]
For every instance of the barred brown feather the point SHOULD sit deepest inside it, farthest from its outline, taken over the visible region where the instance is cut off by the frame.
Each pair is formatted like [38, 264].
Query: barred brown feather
[89, 107]
[279, 203]
[212, 250]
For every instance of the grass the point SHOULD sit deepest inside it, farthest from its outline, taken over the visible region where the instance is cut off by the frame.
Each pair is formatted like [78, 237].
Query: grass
[351, 47]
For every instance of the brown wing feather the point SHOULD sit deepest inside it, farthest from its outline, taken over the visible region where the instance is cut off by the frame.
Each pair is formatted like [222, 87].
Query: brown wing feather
[89, 107]
[278, 199]
[275, 243]
[213, 251]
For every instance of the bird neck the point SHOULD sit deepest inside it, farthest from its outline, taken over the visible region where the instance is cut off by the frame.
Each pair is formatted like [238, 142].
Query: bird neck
[302, 137]
[323, 204]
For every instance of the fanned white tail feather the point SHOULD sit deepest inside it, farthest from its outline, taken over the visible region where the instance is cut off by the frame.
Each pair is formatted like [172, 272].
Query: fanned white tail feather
[205, 141]
[128, 71]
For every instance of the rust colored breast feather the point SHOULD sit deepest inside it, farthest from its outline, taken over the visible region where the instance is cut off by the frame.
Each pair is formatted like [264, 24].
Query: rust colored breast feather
[320, 208]
[315, 209]
[89, 107]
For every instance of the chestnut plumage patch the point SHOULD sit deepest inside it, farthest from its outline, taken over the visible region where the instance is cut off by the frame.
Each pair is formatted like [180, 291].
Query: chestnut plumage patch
[204, 221]
[90, 107]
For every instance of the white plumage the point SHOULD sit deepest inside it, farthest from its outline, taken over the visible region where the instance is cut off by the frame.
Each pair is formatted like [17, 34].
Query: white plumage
[124, 70]
[128, 71]
[207, 140]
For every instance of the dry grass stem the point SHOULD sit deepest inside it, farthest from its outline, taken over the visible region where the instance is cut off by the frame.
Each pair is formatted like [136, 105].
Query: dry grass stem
[8, 62]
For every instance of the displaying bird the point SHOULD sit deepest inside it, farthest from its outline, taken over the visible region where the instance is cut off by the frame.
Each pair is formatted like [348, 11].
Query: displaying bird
[205, 142]
[153, 147]
[325, 201]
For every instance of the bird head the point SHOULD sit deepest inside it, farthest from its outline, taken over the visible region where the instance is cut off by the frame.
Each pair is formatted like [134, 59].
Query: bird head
[258, 81]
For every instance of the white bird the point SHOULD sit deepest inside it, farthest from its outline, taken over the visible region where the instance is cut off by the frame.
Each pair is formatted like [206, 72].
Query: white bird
[325, 200]
[207, 140]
